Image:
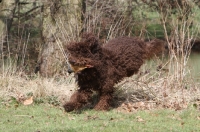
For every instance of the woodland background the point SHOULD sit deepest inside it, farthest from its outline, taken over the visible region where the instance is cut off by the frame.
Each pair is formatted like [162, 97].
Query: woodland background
[33, 32]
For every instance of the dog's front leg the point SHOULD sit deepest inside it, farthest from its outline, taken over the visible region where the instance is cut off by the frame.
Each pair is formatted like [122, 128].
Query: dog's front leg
[77, 100]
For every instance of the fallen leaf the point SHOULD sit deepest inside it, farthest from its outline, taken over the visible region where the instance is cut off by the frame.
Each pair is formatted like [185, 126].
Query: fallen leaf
[92, 117]
[182, 123]
[28, 101]
[138, 105]
[165, 94]
[139, 119]
[71, 118]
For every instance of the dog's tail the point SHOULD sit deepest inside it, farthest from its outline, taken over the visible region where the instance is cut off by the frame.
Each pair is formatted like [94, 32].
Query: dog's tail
[154, 47]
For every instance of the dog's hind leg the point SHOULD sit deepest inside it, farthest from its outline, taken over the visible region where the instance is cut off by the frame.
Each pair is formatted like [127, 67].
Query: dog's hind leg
[77, 100]
[106, 96]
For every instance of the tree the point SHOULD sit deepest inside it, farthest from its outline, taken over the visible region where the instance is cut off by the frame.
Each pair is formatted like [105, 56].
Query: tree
[60, 16]
[6, 17]
[179, 16]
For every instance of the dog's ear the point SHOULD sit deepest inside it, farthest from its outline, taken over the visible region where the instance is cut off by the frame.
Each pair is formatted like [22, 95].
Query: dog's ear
[91, 41]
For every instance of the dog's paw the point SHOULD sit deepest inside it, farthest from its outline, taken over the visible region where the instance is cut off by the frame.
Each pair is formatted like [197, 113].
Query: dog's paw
[69, 107]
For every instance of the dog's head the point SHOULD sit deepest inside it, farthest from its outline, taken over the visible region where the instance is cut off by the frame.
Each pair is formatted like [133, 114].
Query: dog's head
[81, 55]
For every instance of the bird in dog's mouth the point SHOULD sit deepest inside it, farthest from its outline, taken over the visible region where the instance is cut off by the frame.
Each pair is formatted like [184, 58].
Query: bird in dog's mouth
[77, 68]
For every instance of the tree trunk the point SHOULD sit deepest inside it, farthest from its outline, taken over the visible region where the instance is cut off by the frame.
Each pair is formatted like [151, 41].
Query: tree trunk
[58, 23]
[7, 9]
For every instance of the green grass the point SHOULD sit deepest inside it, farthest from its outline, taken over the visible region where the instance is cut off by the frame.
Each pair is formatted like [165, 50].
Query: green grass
[46, 118]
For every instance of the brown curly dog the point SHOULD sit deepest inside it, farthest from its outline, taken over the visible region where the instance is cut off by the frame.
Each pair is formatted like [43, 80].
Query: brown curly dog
[99, 67]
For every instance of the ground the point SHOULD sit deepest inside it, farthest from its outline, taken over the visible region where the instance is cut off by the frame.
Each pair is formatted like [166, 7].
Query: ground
[48, 118]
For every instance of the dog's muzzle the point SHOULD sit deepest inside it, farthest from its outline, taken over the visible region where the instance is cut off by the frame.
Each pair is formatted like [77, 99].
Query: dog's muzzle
[69, 69]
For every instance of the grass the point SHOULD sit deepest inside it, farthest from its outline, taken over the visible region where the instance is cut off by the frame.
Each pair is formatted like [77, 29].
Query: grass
[47, 118]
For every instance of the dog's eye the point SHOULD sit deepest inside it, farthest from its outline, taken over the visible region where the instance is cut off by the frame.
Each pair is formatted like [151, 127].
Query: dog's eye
[72, 62]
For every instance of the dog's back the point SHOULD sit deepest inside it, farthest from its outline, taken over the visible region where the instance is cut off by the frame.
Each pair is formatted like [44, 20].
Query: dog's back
[129, 53]
[140, 48]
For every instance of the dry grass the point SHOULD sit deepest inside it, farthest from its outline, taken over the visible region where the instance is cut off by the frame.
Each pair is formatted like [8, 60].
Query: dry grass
[153, 89]
[148, 89]
[18, 85]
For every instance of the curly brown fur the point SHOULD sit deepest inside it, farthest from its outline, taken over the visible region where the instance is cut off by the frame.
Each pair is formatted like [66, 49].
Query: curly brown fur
[98, 67]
